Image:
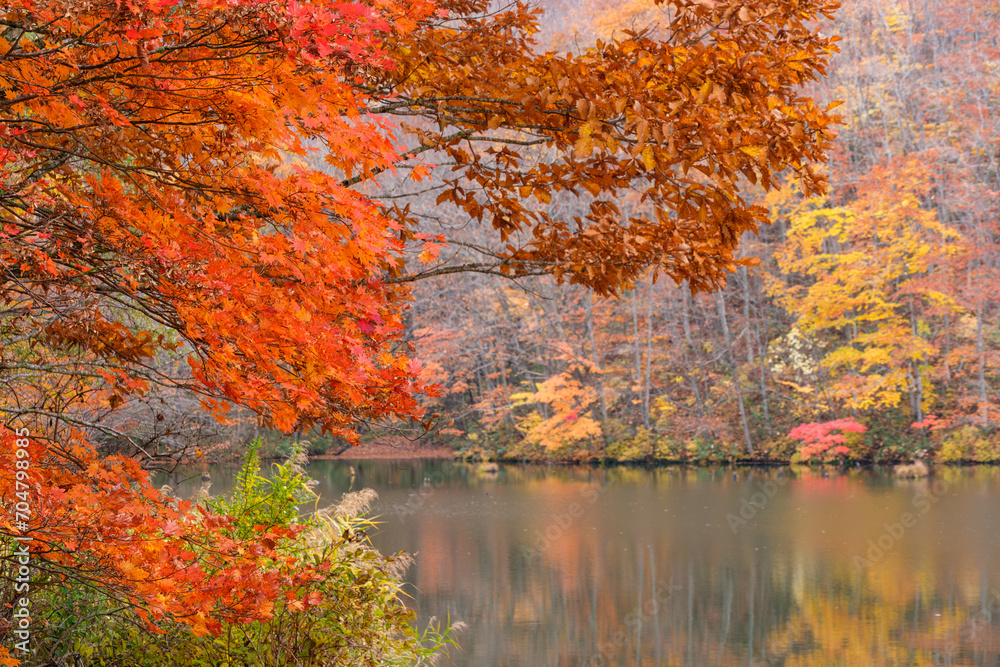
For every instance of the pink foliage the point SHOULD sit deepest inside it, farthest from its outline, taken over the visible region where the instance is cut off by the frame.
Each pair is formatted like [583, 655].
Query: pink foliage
[819, 437]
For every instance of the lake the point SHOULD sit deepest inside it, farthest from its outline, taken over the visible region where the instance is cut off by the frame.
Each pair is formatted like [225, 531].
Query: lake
[567, 566]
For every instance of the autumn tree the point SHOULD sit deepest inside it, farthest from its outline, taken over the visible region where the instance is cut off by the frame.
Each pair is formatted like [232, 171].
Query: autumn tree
[682, 120]
[165, 227]
[146, 210]
[151, 211]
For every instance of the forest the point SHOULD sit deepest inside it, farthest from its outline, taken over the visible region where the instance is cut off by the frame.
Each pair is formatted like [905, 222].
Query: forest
[691, 231]
[874, 302]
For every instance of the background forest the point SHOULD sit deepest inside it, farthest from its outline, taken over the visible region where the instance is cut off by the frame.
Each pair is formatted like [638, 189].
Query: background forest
[876, 302]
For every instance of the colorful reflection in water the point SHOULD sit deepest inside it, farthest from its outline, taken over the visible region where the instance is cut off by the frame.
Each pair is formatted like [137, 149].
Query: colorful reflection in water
[573, 566]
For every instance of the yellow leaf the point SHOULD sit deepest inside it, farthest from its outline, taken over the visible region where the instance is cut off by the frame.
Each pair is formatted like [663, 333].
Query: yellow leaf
[706, 88]
[585, 145]
[755, 151]
[649, 158]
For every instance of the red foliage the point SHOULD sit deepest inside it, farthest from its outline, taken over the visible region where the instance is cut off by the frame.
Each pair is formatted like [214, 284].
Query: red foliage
[822, 437]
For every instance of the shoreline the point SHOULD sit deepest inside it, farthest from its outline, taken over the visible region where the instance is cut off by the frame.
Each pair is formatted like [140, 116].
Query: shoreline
[383, 451]
[373, 450]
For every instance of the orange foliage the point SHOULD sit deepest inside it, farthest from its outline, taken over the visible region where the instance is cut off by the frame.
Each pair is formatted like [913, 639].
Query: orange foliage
[683, 117]
[100, 520]
[569, 403]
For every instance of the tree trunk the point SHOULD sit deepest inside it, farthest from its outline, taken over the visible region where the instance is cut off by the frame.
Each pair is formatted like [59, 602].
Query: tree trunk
[636, 365]
[947, 350]
[762, 358]
[745, 279]
[721, 305]
[649, 354]
[980, 352]
[918, 384]
[588, 309]
[685, 308]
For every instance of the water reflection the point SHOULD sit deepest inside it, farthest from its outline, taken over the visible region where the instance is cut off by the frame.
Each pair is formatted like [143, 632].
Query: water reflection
[627, 566]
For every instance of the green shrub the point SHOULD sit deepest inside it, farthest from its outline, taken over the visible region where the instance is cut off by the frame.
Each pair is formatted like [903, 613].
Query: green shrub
[354, 616]
[666, 448]
[703, 449]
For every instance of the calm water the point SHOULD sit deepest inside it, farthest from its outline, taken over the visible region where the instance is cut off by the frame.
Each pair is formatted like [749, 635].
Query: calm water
[569, 566]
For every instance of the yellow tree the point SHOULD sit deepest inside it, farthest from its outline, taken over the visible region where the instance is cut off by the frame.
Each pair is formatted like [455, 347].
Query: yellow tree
[858, 272]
